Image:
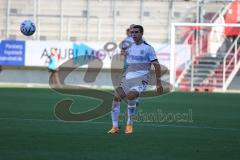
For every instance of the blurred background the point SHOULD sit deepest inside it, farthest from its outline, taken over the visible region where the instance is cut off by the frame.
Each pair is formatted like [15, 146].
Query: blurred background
[206, 58]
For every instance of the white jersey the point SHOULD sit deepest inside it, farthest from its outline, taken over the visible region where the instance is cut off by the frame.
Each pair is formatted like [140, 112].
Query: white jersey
[139, 58]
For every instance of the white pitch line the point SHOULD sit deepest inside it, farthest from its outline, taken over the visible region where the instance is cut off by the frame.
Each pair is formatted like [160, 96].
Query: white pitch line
[190, 126]
[138, 123]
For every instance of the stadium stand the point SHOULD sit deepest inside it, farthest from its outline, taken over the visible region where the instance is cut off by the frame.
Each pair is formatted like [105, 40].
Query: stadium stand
[106, 20]
[97, 20]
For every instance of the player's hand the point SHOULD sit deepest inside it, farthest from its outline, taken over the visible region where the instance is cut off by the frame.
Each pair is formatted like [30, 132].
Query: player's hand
[159, 87]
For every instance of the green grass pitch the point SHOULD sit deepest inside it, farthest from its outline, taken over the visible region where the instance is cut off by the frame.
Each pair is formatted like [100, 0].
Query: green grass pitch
[196, 126]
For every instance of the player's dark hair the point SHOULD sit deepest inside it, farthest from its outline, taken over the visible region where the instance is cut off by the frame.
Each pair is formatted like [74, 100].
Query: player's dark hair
[139, 27]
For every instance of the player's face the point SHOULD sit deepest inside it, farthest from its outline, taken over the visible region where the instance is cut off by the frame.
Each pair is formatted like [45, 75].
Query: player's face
[54, 50]
[136, 34]
[130, 31]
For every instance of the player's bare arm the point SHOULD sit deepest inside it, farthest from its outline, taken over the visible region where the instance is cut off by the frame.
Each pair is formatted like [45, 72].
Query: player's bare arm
[158, 76]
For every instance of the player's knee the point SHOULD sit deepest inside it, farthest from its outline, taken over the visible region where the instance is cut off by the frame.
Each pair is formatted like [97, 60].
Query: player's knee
[132, 96]
[116, 99]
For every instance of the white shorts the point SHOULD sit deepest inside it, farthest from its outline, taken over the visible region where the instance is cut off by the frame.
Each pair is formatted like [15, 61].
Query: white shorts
[139, 86]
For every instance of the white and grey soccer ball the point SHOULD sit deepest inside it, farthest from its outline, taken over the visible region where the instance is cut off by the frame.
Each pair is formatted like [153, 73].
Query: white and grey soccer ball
[27, 28]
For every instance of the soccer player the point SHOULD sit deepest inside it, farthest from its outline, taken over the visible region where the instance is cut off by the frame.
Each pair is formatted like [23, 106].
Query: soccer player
[140, 56]
[54, 58]
[127, 42]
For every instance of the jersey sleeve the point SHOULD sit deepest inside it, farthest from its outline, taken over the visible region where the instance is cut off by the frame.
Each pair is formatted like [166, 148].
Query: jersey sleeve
[151, 54]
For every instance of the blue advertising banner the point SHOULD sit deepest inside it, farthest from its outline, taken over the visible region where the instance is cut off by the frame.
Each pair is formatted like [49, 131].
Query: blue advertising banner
[82, 53]
[12, 53]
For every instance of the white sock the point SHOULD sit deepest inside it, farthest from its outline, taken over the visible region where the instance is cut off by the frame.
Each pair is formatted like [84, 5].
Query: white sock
[131, 113]
[115, 113]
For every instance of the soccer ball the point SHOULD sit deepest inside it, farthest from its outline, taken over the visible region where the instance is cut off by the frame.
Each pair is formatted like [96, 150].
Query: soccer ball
[27, 28]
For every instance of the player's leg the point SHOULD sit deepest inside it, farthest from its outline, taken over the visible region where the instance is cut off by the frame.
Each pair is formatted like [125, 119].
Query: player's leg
[51, 77]
[54, 78]
[120, 94]
[57, 80]
[132, 97]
